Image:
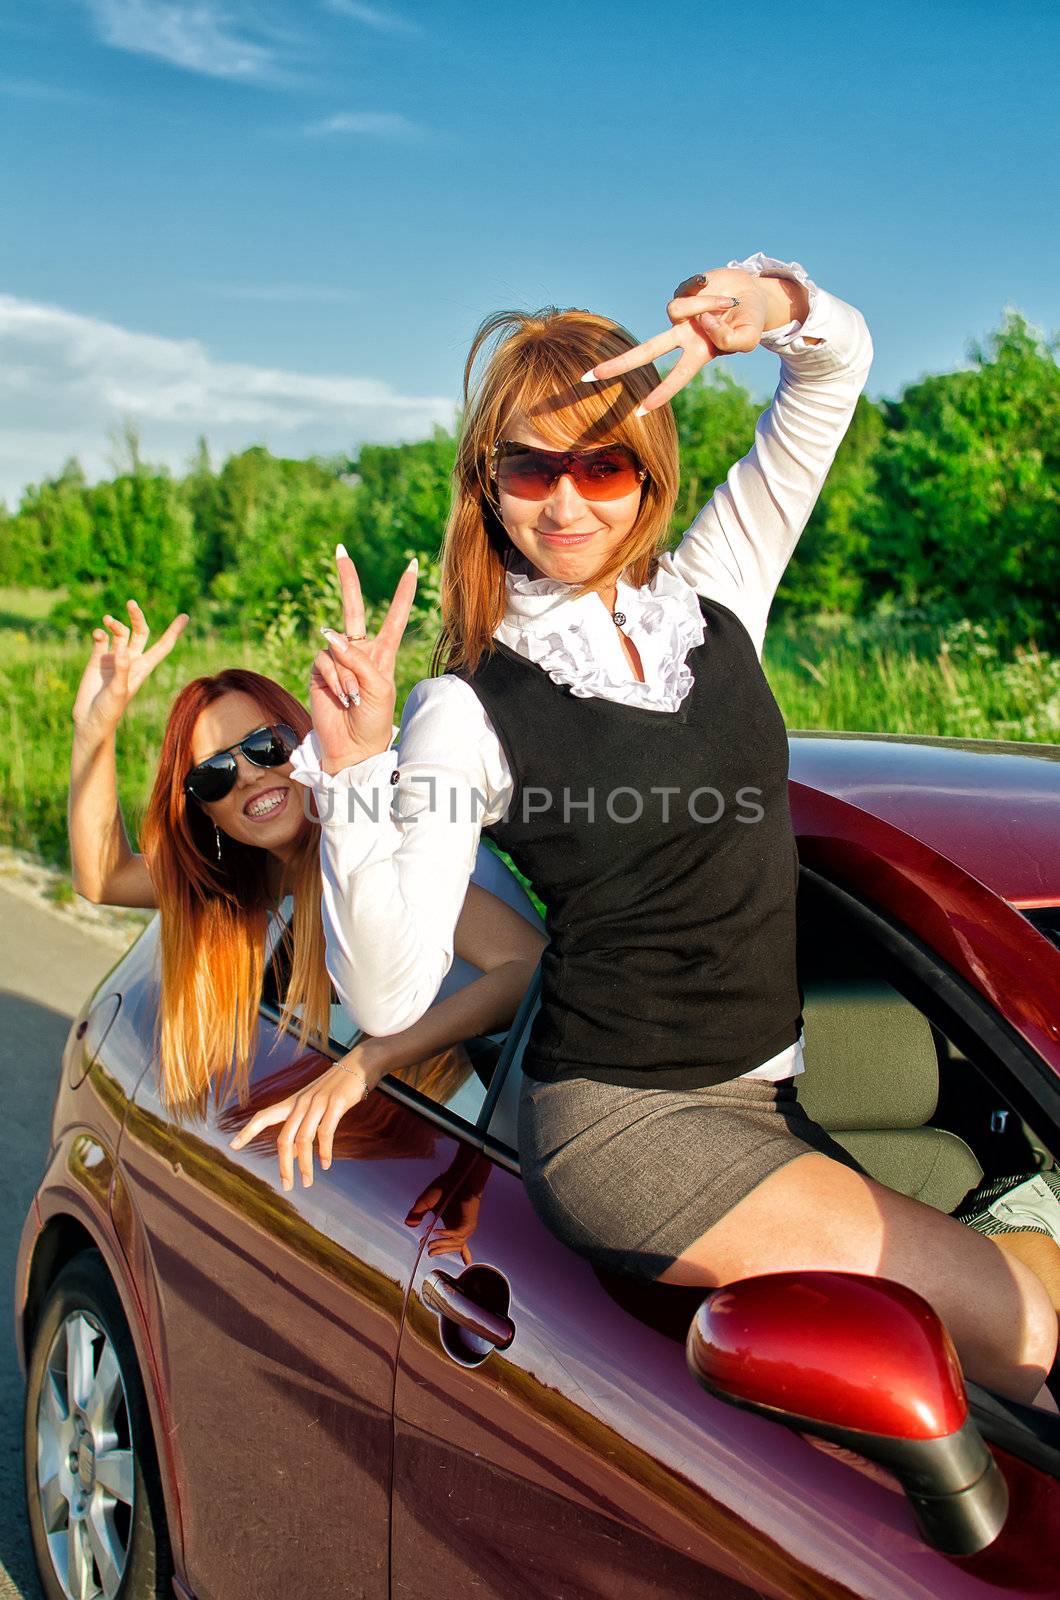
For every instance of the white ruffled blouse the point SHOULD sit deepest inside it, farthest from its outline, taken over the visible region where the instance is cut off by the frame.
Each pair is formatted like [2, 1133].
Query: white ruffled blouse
[396, 861]
[578, 645]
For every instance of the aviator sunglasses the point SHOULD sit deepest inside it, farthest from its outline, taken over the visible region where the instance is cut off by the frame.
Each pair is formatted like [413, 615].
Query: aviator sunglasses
[215, 777]
[606, 473]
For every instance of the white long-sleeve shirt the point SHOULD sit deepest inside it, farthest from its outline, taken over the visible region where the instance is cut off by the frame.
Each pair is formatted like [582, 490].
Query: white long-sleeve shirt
[396, 859]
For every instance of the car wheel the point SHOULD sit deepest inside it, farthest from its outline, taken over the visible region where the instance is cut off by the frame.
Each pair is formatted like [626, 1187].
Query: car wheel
[93, 1492]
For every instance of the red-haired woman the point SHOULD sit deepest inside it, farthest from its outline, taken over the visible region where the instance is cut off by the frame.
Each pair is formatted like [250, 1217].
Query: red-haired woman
[604, 713]
[225, 843]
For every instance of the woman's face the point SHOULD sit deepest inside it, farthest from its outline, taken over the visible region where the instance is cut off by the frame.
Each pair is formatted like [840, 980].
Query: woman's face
[263, 807]
[565, 536]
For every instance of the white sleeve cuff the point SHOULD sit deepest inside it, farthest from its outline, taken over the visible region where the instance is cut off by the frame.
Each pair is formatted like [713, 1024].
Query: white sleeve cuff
[844, 336]
[359, 794]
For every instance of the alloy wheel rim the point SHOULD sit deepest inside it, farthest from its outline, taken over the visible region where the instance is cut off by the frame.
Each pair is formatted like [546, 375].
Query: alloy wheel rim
[85, 1480]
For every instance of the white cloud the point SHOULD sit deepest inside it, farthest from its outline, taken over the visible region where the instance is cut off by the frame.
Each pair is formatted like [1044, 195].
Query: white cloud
[375, 124]
[384, 21]
[67, 381]
[197, 37]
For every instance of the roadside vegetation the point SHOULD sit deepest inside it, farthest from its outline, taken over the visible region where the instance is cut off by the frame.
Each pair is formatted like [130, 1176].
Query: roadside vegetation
[924, 596]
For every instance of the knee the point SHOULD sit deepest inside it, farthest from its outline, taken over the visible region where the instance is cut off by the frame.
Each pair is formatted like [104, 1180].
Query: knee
[1038, 1329]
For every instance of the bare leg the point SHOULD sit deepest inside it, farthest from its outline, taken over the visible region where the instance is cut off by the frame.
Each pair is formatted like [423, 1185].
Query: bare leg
[816, 1214]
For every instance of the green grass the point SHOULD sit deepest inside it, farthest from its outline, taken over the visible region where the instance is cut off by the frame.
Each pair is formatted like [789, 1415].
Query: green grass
[20, 608]
[833, 674]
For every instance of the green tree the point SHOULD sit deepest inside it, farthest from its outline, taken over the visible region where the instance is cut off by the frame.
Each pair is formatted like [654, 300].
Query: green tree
[965, 519]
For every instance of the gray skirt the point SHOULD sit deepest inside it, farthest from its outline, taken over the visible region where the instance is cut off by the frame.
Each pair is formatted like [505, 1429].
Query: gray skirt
[630, 1178]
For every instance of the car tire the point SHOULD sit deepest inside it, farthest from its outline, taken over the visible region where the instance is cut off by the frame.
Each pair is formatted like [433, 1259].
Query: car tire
[93, 1492]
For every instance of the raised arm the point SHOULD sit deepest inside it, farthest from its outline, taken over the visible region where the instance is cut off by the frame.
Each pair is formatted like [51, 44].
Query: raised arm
[738, 546]
[104, 866]
[740, 543]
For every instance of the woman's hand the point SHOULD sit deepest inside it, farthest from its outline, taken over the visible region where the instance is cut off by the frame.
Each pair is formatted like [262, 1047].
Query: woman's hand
[705, 324]
[117, 668]
[314, 1114]
[351, 687]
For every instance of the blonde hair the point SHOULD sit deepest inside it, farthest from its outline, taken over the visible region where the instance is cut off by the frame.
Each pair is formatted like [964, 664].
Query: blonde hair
[533, 369]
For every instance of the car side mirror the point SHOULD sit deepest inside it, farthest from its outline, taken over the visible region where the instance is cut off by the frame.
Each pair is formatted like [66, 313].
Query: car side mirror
[865, 1363]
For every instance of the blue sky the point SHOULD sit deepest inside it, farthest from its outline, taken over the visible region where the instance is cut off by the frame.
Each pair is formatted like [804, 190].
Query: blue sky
[283, 221]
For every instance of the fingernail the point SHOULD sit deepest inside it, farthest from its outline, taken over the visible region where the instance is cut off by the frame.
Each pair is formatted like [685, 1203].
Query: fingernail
[345, 700]
[341, 550]
[287, 1184]
[355, 697]
[590, 376]
[325, 1165]
[641, 411]
[413, 565]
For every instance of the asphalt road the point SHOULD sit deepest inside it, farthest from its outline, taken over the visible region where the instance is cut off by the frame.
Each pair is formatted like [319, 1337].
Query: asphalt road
[47, 968]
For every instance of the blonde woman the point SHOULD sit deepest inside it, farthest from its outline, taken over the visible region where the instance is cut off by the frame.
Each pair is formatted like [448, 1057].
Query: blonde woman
[604, 714]
[227, 847]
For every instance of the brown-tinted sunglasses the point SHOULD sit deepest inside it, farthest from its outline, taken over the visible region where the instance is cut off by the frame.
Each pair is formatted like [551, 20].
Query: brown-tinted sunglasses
[606, 473]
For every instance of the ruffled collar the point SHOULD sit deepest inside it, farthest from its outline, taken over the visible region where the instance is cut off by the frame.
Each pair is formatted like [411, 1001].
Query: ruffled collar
[577, 644]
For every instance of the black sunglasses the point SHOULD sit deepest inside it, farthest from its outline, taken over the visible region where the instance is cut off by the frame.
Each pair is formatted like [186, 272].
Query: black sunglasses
[213, 778]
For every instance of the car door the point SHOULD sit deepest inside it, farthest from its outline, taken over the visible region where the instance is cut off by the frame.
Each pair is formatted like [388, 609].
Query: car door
[550, 1443]
[275, 1320]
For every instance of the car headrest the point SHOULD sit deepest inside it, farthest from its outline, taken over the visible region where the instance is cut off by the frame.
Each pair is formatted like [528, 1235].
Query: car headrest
[870, 1058]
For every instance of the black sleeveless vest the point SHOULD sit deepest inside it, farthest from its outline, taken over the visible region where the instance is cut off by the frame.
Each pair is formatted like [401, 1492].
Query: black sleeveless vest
[661, 844]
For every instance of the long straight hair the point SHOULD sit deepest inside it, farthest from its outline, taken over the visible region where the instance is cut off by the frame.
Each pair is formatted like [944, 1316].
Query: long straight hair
[214, 915]
[534, 365]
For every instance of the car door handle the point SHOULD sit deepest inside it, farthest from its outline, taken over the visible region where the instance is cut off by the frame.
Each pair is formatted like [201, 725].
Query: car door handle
[442, 1294]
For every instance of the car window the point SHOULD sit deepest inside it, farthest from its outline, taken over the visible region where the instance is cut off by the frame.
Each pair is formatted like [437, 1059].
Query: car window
[836, 945]
[1047, 920]
[456, 1080]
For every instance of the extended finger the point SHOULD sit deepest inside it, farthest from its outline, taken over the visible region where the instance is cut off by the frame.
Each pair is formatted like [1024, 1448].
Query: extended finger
[140, 630]
[285, 1144]
[689, 364]
[396, 620]
[303, 1144]
[165, 642]
[326, 1132]
[118, 630]
[119, 647]
[260, 1120]
[639, 356]
[352, 599]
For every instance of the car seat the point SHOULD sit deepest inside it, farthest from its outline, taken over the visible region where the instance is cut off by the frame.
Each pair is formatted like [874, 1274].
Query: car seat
[872, 1079]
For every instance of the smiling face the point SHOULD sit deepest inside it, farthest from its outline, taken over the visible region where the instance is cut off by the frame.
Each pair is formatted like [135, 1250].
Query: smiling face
[565, 536]
[263, 807]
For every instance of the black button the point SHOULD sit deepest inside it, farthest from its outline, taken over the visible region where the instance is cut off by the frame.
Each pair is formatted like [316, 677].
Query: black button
[620, 618]
[395, 775]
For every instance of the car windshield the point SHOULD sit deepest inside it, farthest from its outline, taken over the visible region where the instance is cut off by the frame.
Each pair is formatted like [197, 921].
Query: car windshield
[1047, 920]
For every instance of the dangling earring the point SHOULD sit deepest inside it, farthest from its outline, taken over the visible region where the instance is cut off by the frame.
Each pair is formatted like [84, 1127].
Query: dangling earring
[217, 831]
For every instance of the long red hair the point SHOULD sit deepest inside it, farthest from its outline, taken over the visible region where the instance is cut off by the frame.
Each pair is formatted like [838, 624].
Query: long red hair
[214, 915]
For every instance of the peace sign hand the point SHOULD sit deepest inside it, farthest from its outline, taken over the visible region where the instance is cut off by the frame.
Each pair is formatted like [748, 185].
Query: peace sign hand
[117, 668]
[706, 323]
[352, 693]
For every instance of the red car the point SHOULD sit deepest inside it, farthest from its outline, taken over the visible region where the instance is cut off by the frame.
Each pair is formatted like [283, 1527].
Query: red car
[397, 1383]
